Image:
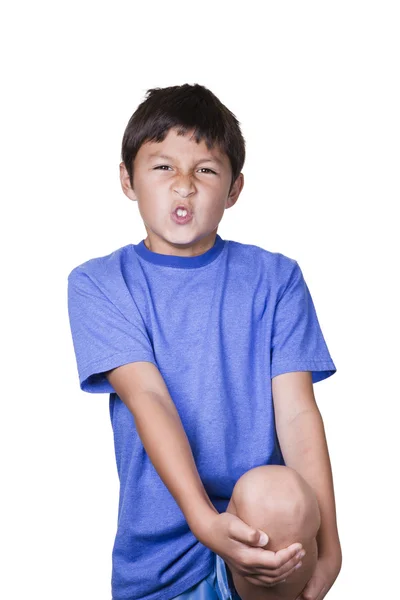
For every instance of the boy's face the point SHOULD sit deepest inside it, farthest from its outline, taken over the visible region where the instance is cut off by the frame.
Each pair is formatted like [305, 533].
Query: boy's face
[193, 177]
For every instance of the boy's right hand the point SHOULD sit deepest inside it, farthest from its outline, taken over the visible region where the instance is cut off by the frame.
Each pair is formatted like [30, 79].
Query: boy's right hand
[242, 549]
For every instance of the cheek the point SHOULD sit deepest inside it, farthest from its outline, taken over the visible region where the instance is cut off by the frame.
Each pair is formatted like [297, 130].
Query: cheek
[213, 211]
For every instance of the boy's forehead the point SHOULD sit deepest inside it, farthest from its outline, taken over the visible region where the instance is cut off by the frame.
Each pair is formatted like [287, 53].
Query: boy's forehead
[174, 144]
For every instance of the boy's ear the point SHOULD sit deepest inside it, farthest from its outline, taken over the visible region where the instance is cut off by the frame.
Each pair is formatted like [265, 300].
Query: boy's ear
[125, 183]
[235, 191]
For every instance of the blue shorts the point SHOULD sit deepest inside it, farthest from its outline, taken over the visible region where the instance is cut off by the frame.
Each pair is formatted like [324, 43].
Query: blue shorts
[218, 585]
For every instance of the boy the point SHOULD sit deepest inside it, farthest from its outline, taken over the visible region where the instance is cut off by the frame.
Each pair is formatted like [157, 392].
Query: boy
[209, 349]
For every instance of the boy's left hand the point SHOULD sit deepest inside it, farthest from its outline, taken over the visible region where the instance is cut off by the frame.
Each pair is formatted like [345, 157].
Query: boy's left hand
[326, 571]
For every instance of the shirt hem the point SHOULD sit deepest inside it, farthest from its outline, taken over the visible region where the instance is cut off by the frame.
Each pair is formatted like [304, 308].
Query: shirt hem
[183, 585]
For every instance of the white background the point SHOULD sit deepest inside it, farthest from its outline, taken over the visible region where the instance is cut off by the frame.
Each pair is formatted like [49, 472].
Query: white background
[315, 86]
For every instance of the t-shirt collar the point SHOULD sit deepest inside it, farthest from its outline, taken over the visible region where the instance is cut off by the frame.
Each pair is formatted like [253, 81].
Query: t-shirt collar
[183, 262]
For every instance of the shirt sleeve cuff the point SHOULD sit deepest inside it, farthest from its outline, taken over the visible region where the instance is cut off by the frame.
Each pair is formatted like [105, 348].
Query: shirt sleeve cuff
[92, 378]
[320, 369]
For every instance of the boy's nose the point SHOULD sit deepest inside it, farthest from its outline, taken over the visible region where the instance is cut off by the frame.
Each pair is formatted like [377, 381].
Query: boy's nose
[183, 192]
[183, 184]
[184, 188]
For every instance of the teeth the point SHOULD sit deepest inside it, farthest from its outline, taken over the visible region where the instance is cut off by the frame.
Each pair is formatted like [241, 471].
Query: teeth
[181, 212]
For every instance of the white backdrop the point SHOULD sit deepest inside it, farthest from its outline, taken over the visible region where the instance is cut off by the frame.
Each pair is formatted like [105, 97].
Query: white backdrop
[315, 86]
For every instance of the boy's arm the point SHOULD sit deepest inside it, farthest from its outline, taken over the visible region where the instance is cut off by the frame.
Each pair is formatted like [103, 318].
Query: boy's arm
[142, 388]
[301, 435]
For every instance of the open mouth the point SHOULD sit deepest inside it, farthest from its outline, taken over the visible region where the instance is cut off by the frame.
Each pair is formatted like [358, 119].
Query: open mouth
[181, 215]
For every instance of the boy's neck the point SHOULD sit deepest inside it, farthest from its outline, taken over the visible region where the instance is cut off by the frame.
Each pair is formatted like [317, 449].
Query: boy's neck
[161, 246]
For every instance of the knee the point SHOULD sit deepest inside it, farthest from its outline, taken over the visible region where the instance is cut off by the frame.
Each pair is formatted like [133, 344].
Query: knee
[277, 499]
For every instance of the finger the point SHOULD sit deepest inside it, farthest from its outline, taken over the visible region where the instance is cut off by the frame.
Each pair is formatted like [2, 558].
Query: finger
[241, 532]
[265, 581]
[291, 565]
[293, 548]
[280, 560]
[287, 554]
[294, 569]
[271, 571]
[283, 572]
[270, 564]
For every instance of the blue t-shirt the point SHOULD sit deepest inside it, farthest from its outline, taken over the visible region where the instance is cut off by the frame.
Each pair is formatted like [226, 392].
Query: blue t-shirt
[218, 326]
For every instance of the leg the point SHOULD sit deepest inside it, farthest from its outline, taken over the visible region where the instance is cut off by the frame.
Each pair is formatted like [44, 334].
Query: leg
[277, 500]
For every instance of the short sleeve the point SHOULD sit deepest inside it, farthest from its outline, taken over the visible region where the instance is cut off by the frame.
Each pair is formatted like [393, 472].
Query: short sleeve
[103, 336]
[297, 341]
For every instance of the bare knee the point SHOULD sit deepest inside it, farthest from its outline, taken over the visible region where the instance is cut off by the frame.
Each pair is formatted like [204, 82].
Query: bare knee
[277, 500]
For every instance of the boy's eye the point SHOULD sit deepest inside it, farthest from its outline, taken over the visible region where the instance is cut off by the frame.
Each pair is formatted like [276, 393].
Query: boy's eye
[202, 168]
[205, 169]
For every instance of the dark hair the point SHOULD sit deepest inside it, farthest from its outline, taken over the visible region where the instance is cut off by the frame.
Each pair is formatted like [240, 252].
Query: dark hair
[185, 107]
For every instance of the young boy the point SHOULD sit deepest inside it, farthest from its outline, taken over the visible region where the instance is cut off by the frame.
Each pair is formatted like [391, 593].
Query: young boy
[209, 349]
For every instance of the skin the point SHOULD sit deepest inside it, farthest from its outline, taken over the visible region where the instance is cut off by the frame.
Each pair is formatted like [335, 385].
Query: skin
[192, 176]
[277, 500]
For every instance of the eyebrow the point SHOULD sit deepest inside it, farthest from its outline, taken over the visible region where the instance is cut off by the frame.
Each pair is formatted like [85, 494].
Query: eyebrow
[214, 159]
